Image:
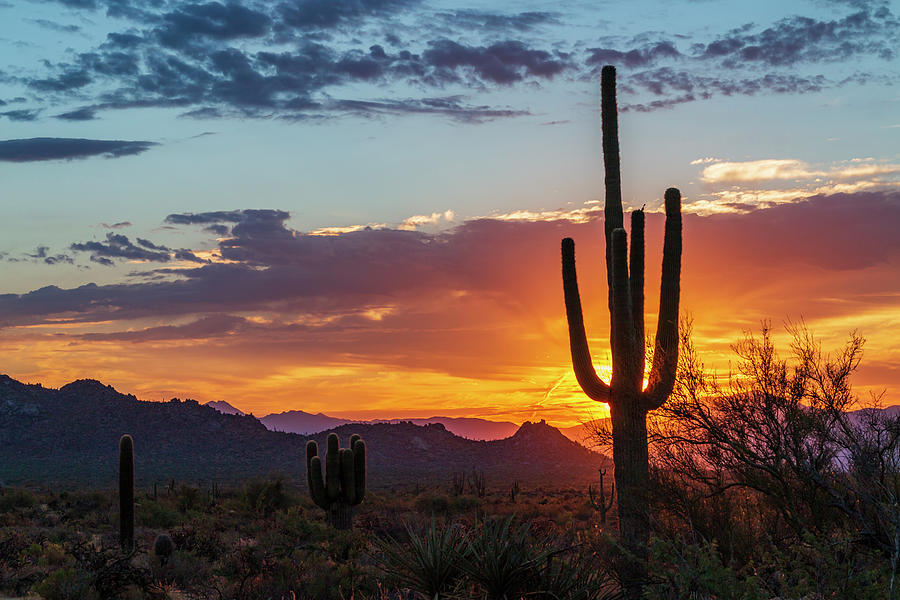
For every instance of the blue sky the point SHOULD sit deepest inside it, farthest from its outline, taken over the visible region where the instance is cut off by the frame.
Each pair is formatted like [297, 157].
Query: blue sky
[119, 119]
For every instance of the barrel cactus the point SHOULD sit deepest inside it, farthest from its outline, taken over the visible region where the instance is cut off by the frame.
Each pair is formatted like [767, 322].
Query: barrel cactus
[344, 483]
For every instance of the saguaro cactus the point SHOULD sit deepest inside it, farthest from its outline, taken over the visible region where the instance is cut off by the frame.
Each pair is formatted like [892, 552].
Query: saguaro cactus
[344, 484]
[126, 493]
[598, 500]
[628, 401]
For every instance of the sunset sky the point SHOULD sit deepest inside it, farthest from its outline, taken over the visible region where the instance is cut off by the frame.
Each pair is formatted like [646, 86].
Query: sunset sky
[355, 206]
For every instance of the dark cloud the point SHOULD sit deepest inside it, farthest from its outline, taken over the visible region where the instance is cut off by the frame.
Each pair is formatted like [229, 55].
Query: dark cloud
[21, 115]
[119, 225]
[273, 268]
[119, 246]
[452, 107]
[57, 27]
[803, 39]
[229, 216]
[81, 114]
[203, 58]
[328, 14]
[481, 20]
[638, 57]
[213, 20]
[41, 254]
[679, 86]
[503, 62]
[37, 149]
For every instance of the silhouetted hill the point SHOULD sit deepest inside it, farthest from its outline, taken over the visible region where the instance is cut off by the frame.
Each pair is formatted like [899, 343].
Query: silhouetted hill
[304, 423]
[70, 436]
[224, 408]
[298, 421]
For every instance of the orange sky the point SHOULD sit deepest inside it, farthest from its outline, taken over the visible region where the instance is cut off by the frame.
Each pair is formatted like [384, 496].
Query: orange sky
[466, 322]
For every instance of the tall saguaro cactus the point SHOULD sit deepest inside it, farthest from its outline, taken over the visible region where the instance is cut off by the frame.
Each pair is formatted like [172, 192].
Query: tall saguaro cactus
[126, 493]
[629, 402]
[344, 484]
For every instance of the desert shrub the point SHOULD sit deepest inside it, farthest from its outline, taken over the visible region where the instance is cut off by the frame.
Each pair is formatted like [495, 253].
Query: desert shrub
[265, 496]
[67, 584]
[190, 498]
[156, 515]
[432, 504]
[685, 570]
[16, 498]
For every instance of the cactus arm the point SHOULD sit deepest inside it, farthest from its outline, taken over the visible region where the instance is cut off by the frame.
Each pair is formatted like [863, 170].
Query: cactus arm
[348, 476]
[585, 373]
[359, 470]
[610, 124]
[126, 493]
[665, 354]
[636, 280]
[312, 450]
[353, 439]
[333, 468]
[316, 483]
[623, 342]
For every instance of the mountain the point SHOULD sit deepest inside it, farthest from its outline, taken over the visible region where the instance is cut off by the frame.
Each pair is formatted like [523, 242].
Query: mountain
[304, 423]
[583, 433]
[70, 437]
[297, 421]
[224, 408]
[471, 428]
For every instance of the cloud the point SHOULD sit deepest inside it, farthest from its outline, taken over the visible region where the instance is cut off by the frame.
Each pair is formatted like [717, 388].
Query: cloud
[482, 20]
[23, 115]
[637, 57]
[118, 246]
[503, 63]
[190, 22]
[80, 114]
[54, 26]
[41, 254]
[39, 149]
[477, 305]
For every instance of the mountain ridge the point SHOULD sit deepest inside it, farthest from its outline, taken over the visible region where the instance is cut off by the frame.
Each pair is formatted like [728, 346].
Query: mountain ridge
[69, 436]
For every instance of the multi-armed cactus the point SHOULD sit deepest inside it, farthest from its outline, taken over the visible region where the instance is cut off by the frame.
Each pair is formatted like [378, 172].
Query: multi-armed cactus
[597, 497]
[126, 493]
[344, 483]
[628, 400]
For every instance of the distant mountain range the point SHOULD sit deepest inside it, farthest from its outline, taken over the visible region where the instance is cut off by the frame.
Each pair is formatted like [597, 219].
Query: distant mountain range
[304, 423]
[70, 437]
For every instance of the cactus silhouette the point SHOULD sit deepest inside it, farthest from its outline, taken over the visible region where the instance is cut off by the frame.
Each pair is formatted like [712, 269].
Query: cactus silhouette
[597, 497]
[344, 483]
[628, 402]
[126, 493]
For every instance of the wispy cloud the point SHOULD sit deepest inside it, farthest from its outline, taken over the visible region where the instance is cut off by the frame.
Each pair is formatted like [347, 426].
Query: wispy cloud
[41, 149]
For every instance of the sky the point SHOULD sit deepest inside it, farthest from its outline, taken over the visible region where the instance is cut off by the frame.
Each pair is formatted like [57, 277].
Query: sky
[355, 206]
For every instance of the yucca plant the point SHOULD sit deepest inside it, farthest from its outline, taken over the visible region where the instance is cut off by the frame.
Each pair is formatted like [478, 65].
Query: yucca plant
[503, 562]
[430, 564]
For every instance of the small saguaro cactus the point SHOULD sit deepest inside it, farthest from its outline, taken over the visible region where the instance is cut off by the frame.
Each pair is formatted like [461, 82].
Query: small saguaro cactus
[126, 493]
[598, 497]
[344, 483]
[629, 402]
